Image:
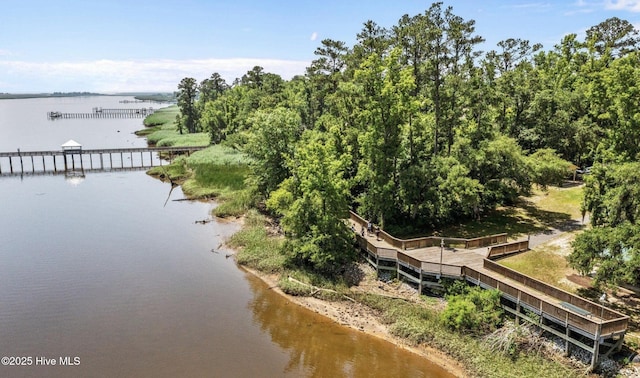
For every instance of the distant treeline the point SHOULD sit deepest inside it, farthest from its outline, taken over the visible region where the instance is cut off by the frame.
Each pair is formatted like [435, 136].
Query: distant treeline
[43, 95]
[169, 97]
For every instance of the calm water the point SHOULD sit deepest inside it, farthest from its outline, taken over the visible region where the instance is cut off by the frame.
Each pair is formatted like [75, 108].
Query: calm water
[114, 272]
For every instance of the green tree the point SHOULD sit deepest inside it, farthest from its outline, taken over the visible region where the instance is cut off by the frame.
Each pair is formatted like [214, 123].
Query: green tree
[612, 245]
[187, 92]
[613, 36]
[271, 144]
[212, 88]
[313, 203]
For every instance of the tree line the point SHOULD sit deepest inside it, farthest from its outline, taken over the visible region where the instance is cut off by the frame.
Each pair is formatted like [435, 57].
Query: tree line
[413, 126]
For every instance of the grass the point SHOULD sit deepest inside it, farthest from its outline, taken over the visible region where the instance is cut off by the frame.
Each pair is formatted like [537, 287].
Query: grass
[419, 324]
[163, 116]
[255, 248]
[215, 172]
[545, 263]
[554, 208]
[171, 138]
[161, 130]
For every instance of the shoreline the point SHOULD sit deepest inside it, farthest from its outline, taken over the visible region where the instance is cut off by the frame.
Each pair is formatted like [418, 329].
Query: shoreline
[356, 316]
[360, 318]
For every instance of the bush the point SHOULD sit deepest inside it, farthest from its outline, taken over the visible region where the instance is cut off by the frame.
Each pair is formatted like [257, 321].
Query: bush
[477, 312]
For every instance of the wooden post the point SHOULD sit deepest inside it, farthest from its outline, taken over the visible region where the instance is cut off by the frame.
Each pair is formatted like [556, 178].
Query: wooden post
[518, 307]
[10, 164]
[33, 167]
[566, 341]
[21, 165]
[43, 165]
[596, 348]
[64, 155]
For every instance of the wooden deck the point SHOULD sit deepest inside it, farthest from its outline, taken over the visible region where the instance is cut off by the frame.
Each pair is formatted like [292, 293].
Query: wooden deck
[103, 113]
[54, 161]
[423, 261]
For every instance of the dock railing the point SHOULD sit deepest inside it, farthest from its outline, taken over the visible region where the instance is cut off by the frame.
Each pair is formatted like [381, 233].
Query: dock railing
[496, 251]
[612, 321]
[432, 241]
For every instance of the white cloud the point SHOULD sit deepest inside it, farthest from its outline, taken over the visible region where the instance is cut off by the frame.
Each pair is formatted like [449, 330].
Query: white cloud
[626, 5]
[131, 75]
[314, 36]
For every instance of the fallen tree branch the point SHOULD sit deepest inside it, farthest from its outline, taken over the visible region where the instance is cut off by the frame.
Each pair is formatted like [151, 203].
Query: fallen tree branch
[317, 289]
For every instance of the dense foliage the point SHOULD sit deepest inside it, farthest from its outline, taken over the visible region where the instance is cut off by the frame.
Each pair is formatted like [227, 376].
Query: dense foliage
[475, 311]
[413, 125]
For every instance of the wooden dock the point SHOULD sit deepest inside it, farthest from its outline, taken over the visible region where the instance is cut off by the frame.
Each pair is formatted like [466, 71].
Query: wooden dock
[43, 162]
[424, 261]
[103, 113]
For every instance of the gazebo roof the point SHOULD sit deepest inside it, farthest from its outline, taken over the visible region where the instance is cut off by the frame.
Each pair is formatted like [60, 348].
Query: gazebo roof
[71, 144]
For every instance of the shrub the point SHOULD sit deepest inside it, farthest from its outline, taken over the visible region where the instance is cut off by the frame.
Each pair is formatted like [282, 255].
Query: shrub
[478, 311]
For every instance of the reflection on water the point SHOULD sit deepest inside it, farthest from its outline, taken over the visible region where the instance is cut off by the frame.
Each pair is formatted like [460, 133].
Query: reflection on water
[318, 347]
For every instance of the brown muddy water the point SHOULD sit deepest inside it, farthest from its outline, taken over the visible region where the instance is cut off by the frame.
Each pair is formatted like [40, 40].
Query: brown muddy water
[109, 276]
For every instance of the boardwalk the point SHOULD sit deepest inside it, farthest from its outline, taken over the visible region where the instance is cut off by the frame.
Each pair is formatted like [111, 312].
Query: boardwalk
[103, 113]
[424, 261]
[43, 162]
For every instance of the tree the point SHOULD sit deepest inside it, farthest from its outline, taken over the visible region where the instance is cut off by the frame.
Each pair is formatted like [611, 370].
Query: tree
[313, 203]
[385, 87]
[271, 143]
[613, 36]
[325, 74]
[212, 88]
[612, 245]
[548, 168]
[187, 92]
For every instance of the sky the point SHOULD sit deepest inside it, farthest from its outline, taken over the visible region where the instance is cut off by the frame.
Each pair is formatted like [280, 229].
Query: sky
[113, 46]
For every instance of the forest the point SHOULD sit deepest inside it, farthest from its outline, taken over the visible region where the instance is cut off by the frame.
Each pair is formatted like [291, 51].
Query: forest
[415, 127]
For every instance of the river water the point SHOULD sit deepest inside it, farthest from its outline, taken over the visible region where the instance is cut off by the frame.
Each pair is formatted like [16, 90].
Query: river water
[109, 276]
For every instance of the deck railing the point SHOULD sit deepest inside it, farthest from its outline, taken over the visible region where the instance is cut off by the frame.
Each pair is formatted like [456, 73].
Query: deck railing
[432, 241]
[507, 248]
[612, 321]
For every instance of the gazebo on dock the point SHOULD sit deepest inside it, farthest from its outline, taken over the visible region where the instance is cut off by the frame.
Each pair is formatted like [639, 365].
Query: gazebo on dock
[71, 147]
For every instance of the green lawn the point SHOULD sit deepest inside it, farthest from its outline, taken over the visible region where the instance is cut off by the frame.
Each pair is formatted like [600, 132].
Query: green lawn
[533, 214]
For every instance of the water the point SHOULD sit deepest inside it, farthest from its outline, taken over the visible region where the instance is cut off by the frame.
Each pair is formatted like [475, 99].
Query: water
[111, 273]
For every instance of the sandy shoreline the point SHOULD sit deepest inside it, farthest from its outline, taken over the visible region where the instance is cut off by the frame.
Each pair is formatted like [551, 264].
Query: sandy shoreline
[362, 318]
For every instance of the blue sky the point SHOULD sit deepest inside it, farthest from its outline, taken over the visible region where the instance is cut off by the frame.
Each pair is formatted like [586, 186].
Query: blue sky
[141, 45]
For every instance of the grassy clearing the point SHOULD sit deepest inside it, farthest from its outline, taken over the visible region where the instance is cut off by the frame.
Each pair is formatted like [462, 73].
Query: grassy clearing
[545, 263]
[559, 200]
[542, 210]
[164, 116]
[171, 138]
[215, 172]
[162, 131]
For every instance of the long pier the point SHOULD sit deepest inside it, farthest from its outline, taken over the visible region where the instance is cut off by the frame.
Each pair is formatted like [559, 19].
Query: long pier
[103, 113]
[63, 161]
[424, 261]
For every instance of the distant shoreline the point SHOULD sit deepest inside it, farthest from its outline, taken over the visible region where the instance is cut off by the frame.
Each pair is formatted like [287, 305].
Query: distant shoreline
[15, 96]
[154, 96]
